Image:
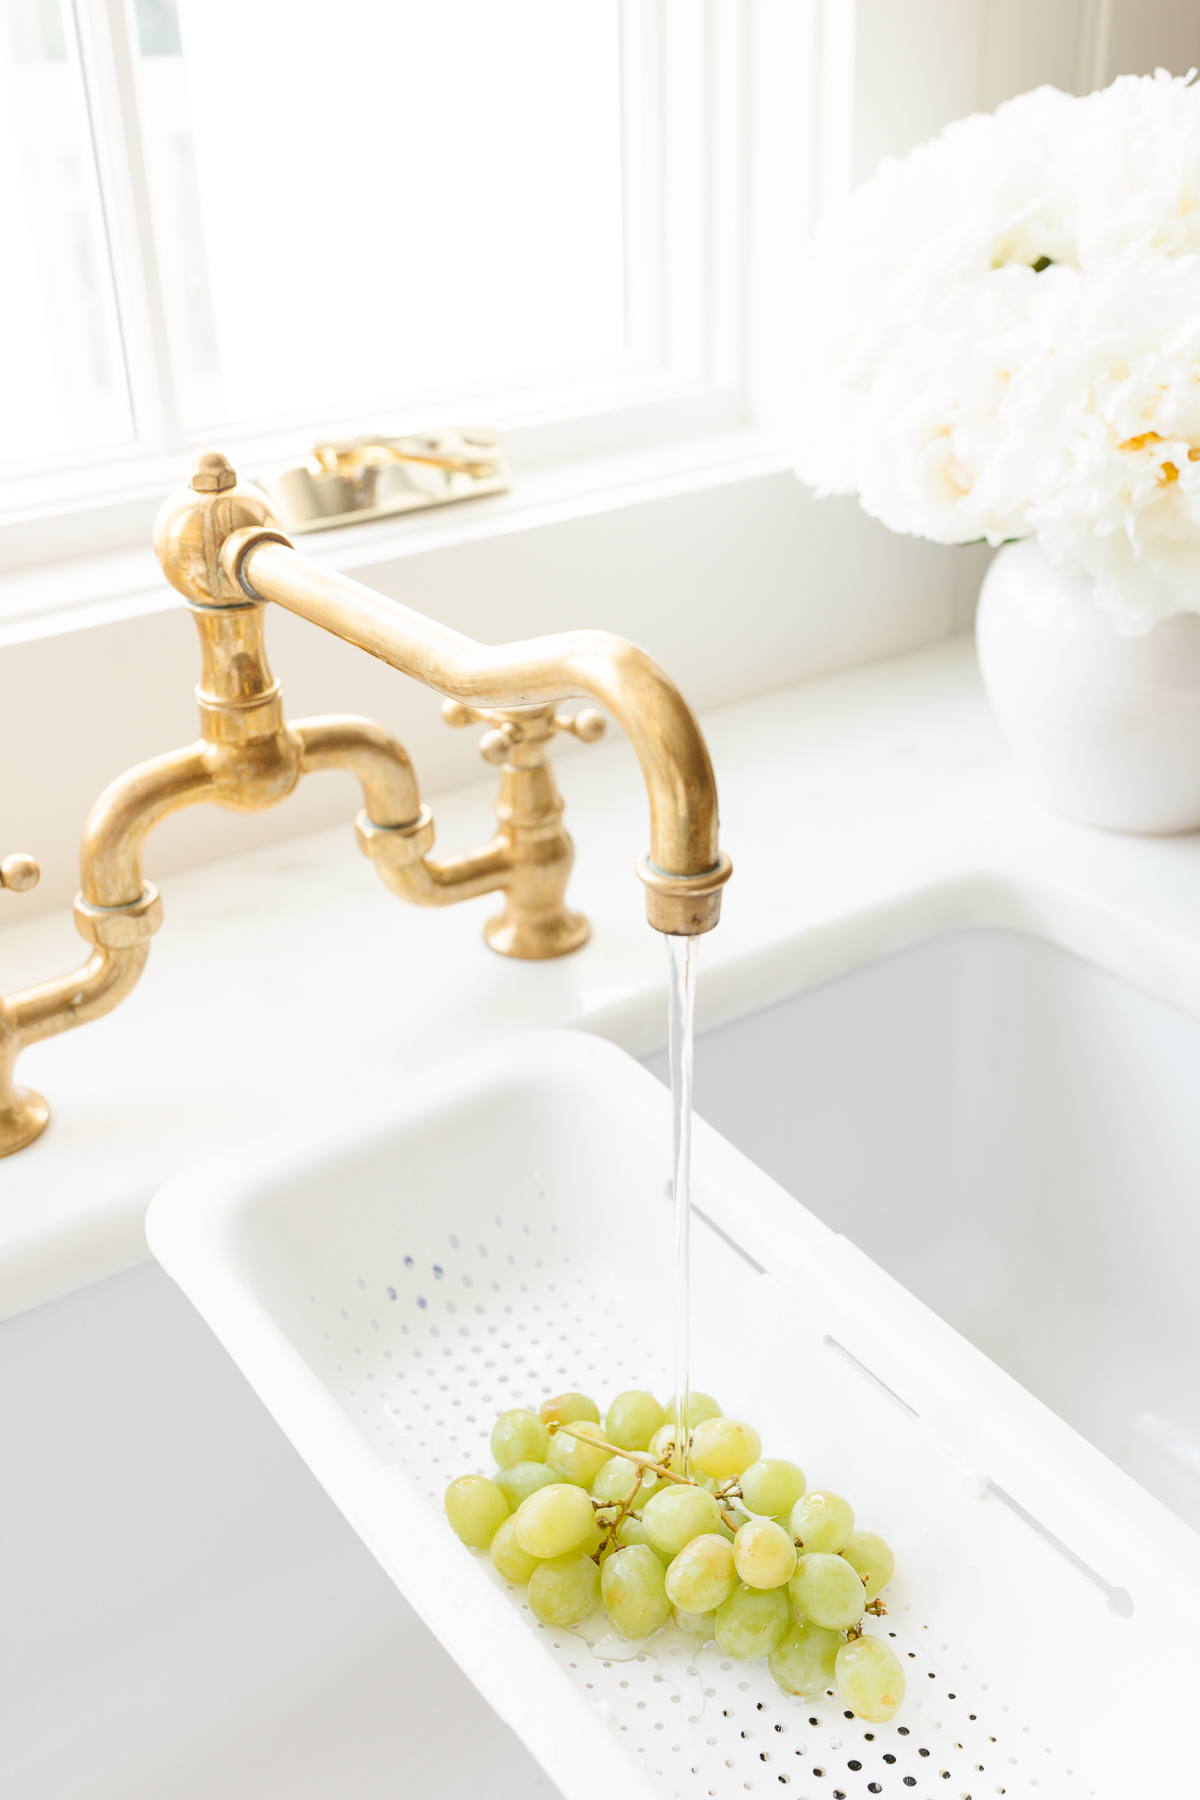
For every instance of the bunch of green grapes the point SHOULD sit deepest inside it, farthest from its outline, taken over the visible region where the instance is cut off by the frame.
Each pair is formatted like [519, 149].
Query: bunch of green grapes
[738, 1548]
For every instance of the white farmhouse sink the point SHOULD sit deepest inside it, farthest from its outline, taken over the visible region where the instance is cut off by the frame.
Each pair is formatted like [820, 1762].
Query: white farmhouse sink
[1007, 1131]
[388, 1282]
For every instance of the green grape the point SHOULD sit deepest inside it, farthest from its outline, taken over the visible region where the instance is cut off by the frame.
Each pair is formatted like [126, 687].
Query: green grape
[521, 1479]
[573, 1458]
[555, 1520]
[632, 1420]
[677, 1515]
[867, 1552]
[826, 1590]
[698, 1625]
[632, 1531]
[662, 1443]
[702, 1575]
[771, 1488]
[662, 1449]
[822, 1520]
[700, 1406]
[804, 1662]
[564, 1409]
[512, 1562]
[723, 1447]
[519, 1436]
[475, 1508]
[564, 1590]
[763, 1554]
[633, 1591]
[751, 1622]
[870, 1679]
[615, 1478]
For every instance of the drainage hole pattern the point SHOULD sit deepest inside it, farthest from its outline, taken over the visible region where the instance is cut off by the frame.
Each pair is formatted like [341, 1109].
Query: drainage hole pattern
[422, 1355]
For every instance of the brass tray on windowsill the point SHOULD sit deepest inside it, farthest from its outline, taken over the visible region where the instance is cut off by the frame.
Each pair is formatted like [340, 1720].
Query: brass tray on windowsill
[375, 477]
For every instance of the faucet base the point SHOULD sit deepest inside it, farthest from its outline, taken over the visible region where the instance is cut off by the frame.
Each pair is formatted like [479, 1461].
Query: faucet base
[515, 932]
[23, 1117]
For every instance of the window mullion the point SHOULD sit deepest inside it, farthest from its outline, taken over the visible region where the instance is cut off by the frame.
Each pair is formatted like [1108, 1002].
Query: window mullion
[726, 177]
[642, 178]
[107, 48]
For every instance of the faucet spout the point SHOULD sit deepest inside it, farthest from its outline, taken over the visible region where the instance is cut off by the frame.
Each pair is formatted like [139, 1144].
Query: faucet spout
[684, 868]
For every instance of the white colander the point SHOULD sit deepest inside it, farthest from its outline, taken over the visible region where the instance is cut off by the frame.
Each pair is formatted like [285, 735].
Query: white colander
[389, 1282]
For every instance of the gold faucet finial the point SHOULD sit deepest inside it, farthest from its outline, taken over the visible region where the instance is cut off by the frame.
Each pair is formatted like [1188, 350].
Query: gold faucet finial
[212, 472]
[194, 522]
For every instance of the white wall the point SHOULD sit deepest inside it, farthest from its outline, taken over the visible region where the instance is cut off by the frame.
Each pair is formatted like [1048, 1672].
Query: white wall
[1147, 34]
[973, 55]
[921, 63]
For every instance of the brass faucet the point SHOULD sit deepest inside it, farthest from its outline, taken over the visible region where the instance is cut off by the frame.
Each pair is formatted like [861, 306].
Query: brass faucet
[220, 545]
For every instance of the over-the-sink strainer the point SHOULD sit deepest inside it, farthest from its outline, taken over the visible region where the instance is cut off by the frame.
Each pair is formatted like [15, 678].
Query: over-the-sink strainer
[389, 1283]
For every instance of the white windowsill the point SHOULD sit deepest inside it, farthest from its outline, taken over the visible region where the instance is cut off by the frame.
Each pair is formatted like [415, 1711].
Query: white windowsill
[81, 592]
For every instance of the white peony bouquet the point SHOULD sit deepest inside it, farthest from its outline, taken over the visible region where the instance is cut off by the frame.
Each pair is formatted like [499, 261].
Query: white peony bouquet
[1001, 338]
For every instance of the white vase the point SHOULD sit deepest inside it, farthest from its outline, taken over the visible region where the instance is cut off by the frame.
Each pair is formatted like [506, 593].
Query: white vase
[1106, 726]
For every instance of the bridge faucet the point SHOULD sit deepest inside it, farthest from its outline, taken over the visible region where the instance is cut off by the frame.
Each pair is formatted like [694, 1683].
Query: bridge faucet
[220, 545]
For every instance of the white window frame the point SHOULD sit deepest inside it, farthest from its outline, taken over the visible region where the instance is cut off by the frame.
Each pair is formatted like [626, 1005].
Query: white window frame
[712, 243]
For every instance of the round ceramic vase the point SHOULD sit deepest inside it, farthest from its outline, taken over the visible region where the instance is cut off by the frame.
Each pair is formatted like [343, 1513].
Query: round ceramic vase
[1106, 726]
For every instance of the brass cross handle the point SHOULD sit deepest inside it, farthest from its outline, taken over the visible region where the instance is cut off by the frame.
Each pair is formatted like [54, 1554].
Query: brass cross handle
[19, 872]
[509, 729]
[530, 844]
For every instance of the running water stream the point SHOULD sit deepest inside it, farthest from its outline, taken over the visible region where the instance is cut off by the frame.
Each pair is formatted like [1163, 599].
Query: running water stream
[681, 957]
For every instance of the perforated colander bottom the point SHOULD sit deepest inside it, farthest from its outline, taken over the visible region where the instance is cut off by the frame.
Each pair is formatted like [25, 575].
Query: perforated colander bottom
[422, 1355]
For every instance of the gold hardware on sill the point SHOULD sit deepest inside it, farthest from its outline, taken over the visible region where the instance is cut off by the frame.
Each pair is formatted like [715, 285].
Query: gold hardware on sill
[220, 546]
[349, 482]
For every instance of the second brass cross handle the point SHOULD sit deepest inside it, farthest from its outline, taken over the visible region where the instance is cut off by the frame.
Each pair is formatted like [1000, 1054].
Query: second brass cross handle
[588, 726]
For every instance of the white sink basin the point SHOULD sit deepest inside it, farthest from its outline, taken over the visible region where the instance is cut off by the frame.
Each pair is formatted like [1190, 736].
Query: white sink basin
[389, 1282]
[1015, 1136]
[189, 1616]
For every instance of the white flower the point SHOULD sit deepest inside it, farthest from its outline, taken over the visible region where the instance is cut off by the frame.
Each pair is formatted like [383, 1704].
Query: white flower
[1001, 336]
[1100, 453]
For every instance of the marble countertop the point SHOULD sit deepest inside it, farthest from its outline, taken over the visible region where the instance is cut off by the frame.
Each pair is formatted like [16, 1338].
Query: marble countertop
[863, 813]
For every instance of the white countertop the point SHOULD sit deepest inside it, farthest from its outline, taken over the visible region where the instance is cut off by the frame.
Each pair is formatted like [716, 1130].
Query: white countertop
[862, 813]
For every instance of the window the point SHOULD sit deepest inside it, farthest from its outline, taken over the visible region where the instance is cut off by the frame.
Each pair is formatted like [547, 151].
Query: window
[241, 220]
[355, 210]
[64, 384]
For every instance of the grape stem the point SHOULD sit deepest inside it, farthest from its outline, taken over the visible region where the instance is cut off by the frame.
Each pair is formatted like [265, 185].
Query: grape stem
[623, 1508]
[644, 1461]
[642, 1457]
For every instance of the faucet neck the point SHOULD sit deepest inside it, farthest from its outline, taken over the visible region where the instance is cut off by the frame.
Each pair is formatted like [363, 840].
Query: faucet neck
[238, 697]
